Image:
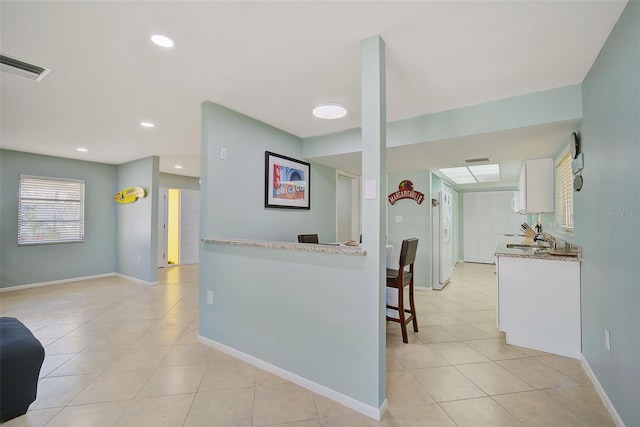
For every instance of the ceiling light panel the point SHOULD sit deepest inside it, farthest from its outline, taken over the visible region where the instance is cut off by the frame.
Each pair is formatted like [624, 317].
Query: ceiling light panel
[486, 173]
[459, 175]
[147, 124]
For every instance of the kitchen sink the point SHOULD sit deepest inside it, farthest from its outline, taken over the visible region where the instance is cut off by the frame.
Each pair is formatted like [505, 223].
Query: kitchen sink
[525, 246]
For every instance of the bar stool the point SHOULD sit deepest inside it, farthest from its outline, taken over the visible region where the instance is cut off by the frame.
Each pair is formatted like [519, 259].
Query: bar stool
[400, 279]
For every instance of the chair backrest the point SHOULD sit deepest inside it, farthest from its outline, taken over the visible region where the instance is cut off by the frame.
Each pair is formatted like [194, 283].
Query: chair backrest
[307, 238]
[408, 252]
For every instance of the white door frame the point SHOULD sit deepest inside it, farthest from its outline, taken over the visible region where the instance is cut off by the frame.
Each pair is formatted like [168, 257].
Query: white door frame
[163, 206]
[356, 225]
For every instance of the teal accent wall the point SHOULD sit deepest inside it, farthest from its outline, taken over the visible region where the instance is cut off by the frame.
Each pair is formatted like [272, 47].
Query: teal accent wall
[416, 222]
[169, 180]
[234, 188]
[137, 223]
[607, 215]
[551, 106]
[23, 265]
[294, 310]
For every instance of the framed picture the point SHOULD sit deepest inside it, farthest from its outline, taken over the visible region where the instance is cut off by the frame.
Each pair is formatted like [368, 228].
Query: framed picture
[287, 182]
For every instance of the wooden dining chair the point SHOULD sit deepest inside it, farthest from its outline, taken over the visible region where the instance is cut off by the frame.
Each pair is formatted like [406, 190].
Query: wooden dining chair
[307, 238]
[401, 279]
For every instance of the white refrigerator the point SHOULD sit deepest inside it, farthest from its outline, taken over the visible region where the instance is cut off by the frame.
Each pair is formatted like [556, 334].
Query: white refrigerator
[442, 229]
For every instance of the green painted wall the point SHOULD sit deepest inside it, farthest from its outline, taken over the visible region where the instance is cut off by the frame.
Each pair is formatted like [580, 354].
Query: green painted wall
[416, 222]
[45, 263]
[551, 106]
[169, 180]
[234, 188]
[137, 223]
[607, 215]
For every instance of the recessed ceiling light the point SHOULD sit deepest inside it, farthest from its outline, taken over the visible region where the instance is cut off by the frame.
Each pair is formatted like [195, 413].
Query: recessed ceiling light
[329, 111]
[161, 40]
[147, 124]
[82, 149]
[178, 166]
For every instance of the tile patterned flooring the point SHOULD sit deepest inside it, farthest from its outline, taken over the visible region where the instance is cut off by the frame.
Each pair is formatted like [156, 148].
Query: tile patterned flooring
[120, 353]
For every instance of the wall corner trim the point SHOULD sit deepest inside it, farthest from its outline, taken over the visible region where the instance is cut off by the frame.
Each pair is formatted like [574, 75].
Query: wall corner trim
[370, 411]
[602, 393]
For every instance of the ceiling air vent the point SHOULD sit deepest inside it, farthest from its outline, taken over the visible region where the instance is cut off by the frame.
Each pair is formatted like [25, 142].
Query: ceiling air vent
[24, 69]
[483, 160]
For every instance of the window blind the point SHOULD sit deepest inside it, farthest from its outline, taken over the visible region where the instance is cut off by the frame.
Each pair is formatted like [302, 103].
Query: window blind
[50, 210]
[564, 193]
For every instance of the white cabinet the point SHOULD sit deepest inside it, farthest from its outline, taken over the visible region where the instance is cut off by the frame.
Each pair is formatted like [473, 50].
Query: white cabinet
[485, 216]
[536, 186]
[539, 304]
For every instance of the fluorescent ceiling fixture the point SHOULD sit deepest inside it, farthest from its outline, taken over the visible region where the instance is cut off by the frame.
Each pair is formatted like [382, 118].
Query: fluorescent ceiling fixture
[486, 173]
[147, 124]
[329, 111]
[82, 149]
[459, 175]
[178, 166]
[161, 40]
[473, 174]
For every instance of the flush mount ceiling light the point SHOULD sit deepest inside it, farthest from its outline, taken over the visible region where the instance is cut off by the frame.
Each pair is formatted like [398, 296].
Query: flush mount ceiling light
[147, 125]
[82, 149]
[178, 167]
[162, 41]
[473, 174]
[329, 111]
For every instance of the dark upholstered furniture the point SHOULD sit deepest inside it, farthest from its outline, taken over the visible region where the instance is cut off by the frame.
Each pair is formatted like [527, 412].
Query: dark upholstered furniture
[401, 279]
[21, 357]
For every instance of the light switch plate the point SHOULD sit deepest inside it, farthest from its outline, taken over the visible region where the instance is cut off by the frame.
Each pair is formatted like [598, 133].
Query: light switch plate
[370, 189]
[398, 218]
[223, 153]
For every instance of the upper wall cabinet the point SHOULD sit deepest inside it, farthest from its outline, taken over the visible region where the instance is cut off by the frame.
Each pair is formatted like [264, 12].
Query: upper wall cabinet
[536, 186]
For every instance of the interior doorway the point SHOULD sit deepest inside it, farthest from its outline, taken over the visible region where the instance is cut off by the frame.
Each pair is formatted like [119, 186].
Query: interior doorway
[178, 226]
[347, 206]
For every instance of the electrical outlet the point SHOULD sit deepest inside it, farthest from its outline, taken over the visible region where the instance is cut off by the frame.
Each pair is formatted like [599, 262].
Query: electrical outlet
[607, 340]
[399, 218]
[138, 259]
[209, 297]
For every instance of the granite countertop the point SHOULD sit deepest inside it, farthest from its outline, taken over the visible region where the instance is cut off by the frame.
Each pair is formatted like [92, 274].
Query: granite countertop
[335, 249]
[563, 251]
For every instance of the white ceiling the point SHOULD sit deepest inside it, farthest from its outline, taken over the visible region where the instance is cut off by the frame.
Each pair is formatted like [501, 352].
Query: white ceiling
[273, 61]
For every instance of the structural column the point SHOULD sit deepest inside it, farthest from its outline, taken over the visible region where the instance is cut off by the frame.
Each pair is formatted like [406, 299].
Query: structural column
[374, 218]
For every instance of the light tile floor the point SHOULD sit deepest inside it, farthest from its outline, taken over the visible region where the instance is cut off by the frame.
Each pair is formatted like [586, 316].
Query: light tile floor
[120, 353]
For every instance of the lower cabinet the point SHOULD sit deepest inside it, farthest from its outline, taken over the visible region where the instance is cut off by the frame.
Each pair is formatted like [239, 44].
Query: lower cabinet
[539, 304]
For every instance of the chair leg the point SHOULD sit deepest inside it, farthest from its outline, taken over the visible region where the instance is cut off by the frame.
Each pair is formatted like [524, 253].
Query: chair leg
[412, 304]
[403, 324]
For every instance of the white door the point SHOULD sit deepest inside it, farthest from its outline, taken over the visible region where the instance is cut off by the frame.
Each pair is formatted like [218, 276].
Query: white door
[446, 241]
[189, 226]
[347, 207]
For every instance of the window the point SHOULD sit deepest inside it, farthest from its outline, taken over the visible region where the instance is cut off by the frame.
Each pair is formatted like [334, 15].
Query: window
[50, 210]
[564, 194]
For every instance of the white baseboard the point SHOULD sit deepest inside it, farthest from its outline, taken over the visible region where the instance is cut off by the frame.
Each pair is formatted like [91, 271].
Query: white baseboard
[55, 282]
[144, 282]
[601, 392]
[349, 402]
[75, 279]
